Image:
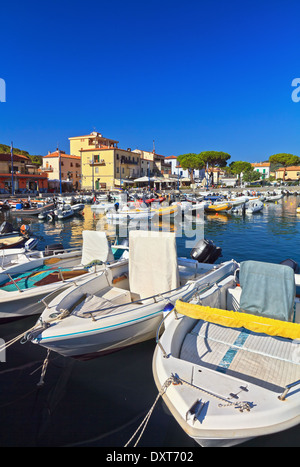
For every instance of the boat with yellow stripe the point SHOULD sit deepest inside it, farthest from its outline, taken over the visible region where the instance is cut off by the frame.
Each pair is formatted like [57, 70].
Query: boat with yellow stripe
[228, 361]
[218, 207]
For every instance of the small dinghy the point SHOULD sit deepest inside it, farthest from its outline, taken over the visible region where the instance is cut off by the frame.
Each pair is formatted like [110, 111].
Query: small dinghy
[218, 207]
[273, 198]
[228, 361]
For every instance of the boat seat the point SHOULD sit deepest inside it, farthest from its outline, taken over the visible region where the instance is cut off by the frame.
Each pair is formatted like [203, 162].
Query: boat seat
[267, 289]
[153, 267]
[95, 247]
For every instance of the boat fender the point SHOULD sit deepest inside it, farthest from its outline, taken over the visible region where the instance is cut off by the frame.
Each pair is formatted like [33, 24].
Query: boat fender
[119, 278]
[169, 307]
[24, 229]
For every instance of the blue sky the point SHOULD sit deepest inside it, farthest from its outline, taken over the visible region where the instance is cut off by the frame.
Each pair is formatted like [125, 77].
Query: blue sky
[192, 76]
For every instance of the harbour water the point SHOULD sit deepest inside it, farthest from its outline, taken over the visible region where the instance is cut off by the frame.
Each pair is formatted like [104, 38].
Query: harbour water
[101, 402]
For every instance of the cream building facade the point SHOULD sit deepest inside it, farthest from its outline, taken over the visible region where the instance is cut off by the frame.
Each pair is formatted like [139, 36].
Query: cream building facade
[103, 164]
[70, 167]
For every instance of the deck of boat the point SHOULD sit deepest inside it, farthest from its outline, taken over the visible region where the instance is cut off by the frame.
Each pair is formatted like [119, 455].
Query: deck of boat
[231, 351]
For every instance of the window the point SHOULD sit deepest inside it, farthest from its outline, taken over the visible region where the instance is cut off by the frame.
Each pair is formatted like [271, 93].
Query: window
[117, 156]
[71, 164]
[117, 170]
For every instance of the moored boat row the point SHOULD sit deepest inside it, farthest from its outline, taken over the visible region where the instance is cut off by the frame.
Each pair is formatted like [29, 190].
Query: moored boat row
[79, 319]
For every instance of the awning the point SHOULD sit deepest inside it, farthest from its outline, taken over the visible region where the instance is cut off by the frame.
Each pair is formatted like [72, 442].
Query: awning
[144, 179]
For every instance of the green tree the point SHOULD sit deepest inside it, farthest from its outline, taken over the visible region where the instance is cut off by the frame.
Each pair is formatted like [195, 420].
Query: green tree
[215, 159]
[35, 159]
[190, 162]
[251, 175]
[285, 160]
[239, 167]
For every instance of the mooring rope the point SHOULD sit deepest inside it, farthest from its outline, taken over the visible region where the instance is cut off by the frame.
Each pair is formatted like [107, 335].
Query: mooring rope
[175, 379]
[144, 422]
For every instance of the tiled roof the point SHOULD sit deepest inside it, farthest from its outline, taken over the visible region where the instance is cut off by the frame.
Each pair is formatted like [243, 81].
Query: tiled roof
[17, 157]
[291, 168]
[56, 154]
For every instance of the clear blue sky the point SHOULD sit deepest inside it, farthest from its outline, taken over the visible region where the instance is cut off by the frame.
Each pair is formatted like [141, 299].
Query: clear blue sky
[191, 75]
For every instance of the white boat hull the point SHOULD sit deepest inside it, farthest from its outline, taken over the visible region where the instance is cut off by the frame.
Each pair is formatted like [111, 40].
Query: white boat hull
[229, 382]
[121, 324]
[17, 304]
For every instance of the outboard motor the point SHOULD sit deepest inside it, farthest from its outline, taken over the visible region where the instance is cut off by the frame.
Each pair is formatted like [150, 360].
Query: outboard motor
[6, 227]
[31, 244]
[205, 251]
[292, 264]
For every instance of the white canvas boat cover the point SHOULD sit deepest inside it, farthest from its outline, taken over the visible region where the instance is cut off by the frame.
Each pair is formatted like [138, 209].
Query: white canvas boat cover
[95, 247]
[153, 267]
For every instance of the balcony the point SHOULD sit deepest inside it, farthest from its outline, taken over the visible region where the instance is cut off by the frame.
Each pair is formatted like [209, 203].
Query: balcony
[46, 169]
[126, 160]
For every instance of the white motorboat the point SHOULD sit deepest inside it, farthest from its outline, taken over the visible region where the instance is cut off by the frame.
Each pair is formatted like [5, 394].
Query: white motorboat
[130, 213]
[251, 207]
[34, 208]
[273, 198]
[102, 206]
[124, 305]
[238, 201]
[65, 212]
[13, 256]
[78, 208]
[228, 361]
[188, 208]
[23, 285]
[254, 206]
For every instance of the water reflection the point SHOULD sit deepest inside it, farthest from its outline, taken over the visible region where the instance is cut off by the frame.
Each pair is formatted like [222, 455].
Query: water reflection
[271, 235]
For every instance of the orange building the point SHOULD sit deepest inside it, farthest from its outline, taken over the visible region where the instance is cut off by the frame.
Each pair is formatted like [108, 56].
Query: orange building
[26, 177]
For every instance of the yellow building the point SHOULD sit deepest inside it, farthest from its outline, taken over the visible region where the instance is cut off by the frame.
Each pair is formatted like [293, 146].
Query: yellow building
[92, 141]
[288, 173]
[103, 164]
[155, 162]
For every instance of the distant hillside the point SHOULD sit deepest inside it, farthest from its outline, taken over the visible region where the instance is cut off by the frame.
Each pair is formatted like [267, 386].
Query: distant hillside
[35, 159]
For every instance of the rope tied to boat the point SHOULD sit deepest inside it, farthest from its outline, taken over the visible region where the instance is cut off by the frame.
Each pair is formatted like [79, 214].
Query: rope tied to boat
[44, 369]
[146, 419]
[240, 405]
